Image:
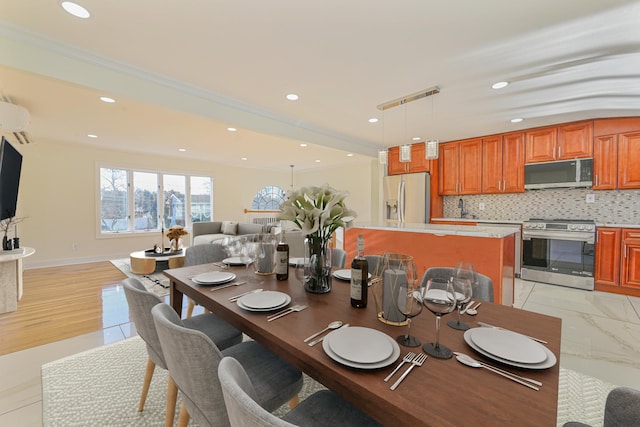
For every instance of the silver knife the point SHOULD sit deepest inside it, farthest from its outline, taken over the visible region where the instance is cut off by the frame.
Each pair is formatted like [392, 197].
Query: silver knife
[217, 288]
[317, 340]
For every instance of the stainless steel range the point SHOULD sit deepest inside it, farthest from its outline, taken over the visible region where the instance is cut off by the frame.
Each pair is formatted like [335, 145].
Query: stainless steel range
[559, 251]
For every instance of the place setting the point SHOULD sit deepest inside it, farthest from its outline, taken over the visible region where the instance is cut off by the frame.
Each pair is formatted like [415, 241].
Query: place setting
[263, 301]
[360, 347]
[345, 274]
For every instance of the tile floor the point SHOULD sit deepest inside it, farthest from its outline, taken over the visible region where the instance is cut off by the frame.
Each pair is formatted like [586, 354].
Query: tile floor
[600, 337]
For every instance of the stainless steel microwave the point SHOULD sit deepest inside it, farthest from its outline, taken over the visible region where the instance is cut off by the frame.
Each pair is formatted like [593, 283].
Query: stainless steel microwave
[561, 174]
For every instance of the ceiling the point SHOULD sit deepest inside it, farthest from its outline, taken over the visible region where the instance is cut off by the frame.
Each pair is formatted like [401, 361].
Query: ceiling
[182, 72]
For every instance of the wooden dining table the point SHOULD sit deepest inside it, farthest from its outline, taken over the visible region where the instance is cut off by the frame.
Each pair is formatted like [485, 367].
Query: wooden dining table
[442, 392]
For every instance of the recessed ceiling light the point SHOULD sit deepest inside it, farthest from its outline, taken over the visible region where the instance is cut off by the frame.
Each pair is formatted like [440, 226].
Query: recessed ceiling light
[232, 129]
[92, 135]
[293, 97]
[303, 145]
[373, 120]
[349, 154]
[182, 150]
[416, 138]
[499, 85]
[317, 161]
[517, 120]
[107, 99]
[75, 9]
[243, 158]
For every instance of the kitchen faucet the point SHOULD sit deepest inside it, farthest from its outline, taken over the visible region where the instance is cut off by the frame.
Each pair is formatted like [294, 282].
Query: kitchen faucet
[463, 212]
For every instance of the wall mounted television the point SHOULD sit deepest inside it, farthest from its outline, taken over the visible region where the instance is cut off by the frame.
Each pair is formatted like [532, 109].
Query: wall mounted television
[10, 166]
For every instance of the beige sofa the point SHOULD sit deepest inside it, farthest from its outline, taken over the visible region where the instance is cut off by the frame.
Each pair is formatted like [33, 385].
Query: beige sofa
[212, 231]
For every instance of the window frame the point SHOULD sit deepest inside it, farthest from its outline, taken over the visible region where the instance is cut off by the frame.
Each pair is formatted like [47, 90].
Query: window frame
[131, 231]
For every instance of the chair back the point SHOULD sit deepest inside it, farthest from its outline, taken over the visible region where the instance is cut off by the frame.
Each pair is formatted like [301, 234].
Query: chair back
[622, 407]
[140, 303]
[375, 264]
[192, 359]
[338, 258]
[483, 289]
[203, 254]
[241, 399]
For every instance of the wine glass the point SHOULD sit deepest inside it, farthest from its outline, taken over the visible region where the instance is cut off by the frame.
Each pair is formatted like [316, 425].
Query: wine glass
[408, 300]
[439, 298]
[463, 291]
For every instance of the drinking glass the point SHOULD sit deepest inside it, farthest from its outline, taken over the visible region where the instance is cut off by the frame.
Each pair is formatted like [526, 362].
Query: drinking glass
[463, 291]
[439, 298]
[408, 300]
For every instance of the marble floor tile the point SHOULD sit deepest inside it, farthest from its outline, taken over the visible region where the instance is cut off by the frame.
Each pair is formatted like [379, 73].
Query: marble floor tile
[522, 290]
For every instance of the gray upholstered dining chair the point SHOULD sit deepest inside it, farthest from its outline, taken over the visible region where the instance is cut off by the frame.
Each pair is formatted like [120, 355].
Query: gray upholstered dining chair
[140, 303]
[192, 359]
[375, 263]
[483, 289]
[323, 408]
[622, 409]
[338, 257]
[202, 254]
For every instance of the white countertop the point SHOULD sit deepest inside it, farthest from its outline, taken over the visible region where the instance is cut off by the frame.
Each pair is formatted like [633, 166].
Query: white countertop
[608, 224]
[483, 221]
[445, 229]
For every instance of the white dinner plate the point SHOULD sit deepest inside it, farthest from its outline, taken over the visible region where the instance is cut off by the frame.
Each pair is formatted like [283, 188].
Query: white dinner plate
[345, 274]
[508, 345]
[548, 363]
[283, 305]
[361, 345]
[295, 262]
[264, 300]
[384, 363]
[234, 260]
[214, 278]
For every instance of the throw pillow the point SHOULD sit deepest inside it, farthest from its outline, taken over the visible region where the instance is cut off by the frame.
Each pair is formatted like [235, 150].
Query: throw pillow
[230, 228]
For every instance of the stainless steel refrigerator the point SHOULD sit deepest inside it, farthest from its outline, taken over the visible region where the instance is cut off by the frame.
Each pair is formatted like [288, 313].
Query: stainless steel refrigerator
[406, 198]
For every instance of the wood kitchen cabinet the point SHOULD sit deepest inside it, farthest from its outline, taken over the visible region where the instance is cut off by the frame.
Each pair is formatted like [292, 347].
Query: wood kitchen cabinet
[616, 161]
[565, 142]
[629, 160]
[503, 163]
[617, 263]
[417, 164]
[460, 166]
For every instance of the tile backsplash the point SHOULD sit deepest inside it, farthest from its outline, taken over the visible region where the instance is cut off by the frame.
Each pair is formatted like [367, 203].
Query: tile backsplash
[613, 207]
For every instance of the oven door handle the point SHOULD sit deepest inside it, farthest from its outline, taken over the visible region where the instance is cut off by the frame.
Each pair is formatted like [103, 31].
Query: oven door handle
[559, 235]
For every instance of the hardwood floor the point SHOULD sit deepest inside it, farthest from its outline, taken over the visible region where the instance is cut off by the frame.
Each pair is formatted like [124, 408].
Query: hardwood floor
[64, 302]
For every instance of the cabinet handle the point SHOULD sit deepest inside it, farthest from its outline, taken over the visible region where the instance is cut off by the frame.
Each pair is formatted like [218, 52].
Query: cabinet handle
[596, 180]
[624, 255]
[504, 185]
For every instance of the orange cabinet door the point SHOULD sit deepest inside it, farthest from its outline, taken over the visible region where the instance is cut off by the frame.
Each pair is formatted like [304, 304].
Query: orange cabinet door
[629, 160]
[540, 145]
[605, 162]
[607, 262]
[492, 164]
[394, 165]
[419, 163]
[575, 140]
[448, 169]
[513, 162]
[470, 169]
[630, 258]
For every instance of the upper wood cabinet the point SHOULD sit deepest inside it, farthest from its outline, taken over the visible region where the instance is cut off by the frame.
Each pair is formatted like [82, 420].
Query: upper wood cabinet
[566, 142]
[629, 160]
[460, 166]
[616, 161]
[418, 161]
[503, 163]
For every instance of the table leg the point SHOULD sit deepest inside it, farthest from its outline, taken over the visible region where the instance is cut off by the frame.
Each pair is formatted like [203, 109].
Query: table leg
[175, 298]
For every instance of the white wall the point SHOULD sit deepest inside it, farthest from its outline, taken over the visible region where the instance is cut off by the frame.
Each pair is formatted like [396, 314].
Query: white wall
[59, 187]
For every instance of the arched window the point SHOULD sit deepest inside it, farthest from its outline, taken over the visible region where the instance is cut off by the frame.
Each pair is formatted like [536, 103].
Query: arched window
[268, 198]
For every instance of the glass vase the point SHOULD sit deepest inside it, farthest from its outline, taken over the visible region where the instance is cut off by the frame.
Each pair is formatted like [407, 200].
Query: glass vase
[317, 265]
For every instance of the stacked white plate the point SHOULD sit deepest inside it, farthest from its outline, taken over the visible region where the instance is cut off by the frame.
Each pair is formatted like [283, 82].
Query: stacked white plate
[234, 260]
[295, 262]
[345, 274]
[510, 348]
[213, 278]
[264, 301]
[362, 348]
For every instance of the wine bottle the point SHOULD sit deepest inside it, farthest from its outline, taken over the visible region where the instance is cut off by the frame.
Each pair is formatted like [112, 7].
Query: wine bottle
[282, 259]
[359, 276]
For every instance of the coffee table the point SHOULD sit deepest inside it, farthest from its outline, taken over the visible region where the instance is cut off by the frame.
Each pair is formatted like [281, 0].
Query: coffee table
[141, 263]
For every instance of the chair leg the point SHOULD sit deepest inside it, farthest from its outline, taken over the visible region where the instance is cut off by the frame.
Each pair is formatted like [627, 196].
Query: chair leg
[294, 401]
[183, 419]
[190, 307]
[172, 397]
[148, 375]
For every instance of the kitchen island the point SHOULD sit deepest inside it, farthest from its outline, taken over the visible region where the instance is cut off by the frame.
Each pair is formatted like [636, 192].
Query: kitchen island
[491, 249]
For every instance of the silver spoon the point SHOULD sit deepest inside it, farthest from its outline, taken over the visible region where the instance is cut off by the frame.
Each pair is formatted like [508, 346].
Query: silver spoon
[333, 325]
[473, 311]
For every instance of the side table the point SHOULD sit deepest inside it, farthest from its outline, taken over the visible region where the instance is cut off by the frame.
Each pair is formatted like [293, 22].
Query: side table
[11, 277]
[141, 263]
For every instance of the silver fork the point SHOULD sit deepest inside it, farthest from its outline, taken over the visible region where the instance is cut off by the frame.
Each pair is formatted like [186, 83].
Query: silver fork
[417, 361]
[408, 358]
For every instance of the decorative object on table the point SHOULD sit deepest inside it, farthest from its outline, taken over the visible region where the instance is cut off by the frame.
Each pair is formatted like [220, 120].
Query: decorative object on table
[359, 277]
[318, 212]
[464, 279]
[282, 258]
[5, 225]
[439, 298]
[397, 271]
[175, 238]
